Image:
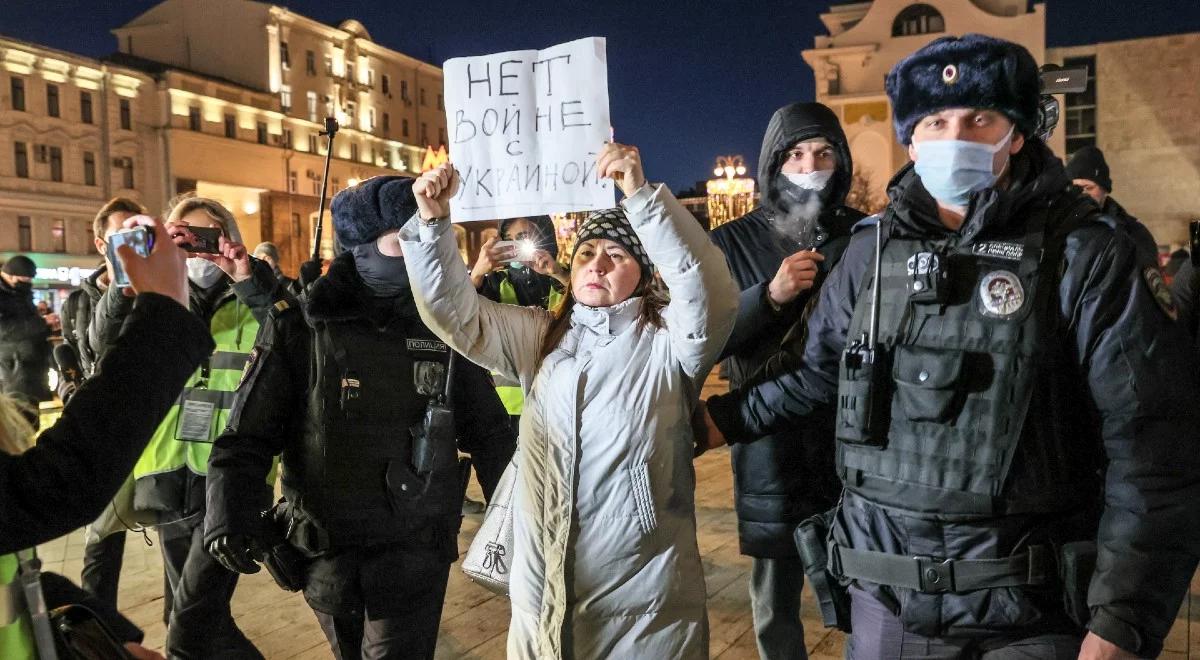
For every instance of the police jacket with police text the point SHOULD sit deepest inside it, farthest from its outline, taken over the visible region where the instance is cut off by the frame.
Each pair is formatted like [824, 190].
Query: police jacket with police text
[779, 481]
[342, 423]
[1112, 424]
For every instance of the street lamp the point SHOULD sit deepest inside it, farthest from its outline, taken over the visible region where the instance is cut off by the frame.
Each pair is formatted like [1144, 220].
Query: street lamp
[730, 191]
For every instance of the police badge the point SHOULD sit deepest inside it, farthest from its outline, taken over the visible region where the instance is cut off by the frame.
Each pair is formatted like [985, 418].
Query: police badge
[1001, 294]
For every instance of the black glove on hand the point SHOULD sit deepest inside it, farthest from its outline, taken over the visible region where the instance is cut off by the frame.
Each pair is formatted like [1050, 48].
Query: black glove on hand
[235, 552]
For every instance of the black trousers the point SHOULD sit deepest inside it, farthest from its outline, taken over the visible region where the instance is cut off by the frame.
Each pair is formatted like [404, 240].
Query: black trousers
[174, 542]
[102, 562]
[879, 635]
[390, 603]
[201, 624]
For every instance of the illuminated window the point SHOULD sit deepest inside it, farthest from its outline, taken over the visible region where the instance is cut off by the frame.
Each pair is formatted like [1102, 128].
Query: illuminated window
[1079, 118]
[918, 19]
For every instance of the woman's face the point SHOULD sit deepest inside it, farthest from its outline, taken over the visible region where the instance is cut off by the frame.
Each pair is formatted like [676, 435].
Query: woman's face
[603, 273]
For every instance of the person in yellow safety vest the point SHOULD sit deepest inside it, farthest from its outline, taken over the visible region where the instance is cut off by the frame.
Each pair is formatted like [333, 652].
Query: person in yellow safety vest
[232, 293]
[521, 270]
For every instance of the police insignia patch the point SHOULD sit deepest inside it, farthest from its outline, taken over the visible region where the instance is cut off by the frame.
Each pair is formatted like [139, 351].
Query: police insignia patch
[1001, 293]
[1160, 292]
[950, 74]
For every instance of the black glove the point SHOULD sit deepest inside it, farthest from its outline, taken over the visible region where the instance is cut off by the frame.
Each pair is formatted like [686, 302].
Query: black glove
[235, 552]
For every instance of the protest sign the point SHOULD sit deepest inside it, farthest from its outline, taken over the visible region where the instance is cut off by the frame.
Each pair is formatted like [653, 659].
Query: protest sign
[525, 127]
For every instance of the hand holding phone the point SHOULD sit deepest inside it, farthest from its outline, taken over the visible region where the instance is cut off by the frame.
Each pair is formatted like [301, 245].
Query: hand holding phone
[197, 240]
[162, 271]
[140, 239]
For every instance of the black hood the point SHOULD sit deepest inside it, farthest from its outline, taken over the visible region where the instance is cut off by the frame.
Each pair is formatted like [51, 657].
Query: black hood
[1037, 178]
[794, 123]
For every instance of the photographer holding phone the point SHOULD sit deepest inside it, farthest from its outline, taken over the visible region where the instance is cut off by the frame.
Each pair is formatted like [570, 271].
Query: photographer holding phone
[520, 269]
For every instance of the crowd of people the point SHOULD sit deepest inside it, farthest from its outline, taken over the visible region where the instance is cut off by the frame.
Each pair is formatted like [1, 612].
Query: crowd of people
[968, 421]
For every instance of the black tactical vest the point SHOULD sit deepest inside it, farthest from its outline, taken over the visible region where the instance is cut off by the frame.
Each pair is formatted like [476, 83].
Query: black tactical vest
[353, 473]
[972, 336]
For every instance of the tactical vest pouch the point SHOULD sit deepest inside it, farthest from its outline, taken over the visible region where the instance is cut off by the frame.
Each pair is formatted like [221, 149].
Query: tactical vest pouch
[1076, 564]
[287, 566]
[811, 539]
[864, 397]
[927, 382]
[433, 443]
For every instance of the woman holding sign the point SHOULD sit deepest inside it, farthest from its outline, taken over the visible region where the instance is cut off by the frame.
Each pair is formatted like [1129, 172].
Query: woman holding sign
[605, 562]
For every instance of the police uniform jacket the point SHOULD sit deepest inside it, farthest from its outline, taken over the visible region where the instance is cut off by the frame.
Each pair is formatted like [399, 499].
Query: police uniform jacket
[278, 410]
[780, 480]
[1112, 426]
[604, 560]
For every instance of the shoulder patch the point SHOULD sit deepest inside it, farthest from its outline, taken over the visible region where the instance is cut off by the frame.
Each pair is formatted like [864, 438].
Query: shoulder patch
[280, 307]
[1160, 292]
[251, 366]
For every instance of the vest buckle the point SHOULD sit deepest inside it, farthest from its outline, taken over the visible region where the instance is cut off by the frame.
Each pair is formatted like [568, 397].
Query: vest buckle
[933, 576]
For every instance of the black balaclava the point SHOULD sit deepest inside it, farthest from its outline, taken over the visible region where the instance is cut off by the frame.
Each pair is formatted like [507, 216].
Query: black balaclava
[385, 276]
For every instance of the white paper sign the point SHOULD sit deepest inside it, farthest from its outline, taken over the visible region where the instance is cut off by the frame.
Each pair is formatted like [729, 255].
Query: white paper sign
[525, 127]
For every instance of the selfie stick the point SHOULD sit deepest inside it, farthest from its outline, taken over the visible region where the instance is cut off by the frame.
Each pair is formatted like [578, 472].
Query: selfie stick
[311, 270]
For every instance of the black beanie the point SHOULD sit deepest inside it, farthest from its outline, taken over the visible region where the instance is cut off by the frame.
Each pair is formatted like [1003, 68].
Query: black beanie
[20, 266]
[974, 71]
[612, 224]
[361, 213]
[1088, 163]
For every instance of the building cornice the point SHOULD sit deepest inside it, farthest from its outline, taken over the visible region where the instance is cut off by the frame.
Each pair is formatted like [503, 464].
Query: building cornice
[291, 19]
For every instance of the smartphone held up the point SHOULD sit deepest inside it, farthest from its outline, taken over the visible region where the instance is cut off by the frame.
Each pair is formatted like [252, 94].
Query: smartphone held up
[140, 239]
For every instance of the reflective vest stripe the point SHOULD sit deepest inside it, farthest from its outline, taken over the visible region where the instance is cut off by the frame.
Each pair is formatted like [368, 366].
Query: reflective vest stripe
[228, 360]
[16, 632]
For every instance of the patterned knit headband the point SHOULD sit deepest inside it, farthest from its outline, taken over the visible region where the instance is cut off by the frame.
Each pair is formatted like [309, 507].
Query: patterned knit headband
[612, 224]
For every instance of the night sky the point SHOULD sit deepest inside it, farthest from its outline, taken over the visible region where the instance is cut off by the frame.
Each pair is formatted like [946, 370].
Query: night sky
[688, 80]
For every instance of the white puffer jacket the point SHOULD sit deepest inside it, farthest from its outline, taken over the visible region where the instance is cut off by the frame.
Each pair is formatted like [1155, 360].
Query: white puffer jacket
[605, 562]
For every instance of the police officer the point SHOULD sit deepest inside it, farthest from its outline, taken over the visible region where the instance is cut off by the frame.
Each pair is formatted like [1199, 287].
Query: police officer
[780, 253]
[1019, 416]
[1088, 170]
[340, 388]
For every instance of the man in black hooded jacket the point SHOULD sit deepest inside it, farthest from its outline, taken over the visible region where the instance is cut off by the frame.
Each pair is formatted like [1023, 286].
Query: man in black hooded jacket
[780, 253]
[24, 338]
[339, 386]
[1034, 414]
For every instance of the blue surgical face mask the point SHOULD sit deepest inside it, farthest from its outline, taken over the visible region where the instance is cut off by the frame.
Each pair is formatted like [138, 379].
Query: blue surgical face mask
[953, 169]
